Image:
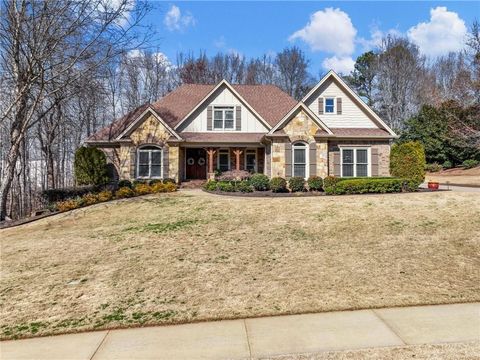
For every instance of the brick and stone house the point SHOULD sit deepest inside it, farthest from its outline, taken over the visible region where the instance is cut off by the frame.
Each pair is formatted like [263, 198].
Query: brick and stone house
[197, 129]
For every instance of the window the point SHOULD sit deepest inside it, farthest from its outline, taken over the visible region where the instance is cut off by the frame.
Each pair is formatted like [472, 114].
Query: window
[223, 160]
[223, 118]
[251, 160]
[329, 105]
[354, 162]
[300, 159]
[149, 162]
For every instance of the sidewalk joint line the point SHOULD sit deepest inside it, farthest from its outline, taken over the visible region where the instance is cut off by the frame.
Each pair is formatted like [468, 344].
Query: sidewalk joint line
[100, 345]
[248, 339]
[389, 327]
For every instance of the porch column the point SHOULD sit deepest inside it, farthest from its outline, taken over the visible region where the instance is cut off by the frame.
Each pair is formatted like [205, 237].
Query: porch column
[237, 153]
[211, 152]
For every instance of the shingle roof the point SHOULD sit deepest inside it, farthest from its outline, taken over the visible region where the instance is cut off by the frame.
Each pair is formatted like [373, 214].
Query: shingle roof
[360, 132]
[268, 101]
[197, 137]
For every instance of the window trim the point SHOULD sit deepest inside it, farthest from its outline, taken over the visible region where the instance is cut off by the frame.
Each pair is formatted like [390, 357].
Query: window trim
[255, 150]
[334, 98]
[218, 158]
[149, 151]
[355, 148]
[223, 108]
[306, 146]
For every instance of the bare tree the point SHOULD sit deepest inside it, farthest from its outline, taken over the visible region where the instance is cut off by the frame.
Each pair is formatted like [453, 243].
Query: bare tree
[292, 71]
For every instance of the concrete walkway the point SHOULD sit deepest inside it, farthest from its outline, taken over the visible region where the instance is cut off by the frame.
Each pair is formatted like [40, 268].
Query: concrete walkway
[262, 337]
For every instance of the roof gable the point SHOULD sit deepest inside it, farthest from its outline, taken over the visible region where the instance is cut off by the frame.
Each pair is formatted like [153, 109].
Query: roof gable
[293, 112]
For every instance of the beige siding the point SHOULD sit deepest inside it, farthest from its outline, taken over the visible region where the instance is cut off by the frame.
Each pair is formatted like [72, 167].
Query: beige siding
[223, 97]
[353, 116]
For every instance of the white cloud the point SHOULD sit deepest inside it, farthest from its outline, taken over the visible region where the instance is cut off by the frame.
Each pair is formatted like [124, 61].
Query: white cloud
[376, 36]
[342, 64]
[175, 21]
[444, 32]
[329, 30]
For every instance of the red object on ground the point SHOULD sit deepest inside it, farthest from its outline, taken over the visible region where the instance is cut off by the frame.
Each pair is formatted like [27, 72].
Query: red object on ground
[432, 185]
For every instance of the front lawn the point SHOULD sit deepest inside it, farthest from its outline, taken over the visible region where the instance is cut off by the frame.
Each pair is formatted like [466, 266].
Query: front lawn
[191, 256]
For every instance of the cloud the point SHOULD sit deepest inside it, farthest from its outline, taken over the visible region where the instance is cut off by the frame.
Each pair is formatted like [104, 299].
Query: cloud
[342, 64]
[175, 21]
[329, 30]
[445, 32]
[376, 36]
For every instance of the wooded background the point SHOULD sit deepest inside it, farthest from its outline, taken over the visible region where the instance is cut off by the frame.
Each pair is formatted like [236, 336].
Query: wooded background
[67, 68]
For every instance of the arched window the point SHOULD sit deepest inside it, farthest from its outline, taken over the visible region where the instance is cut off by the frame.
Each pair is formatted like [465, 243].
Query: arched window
[300, 159]
[149, 162]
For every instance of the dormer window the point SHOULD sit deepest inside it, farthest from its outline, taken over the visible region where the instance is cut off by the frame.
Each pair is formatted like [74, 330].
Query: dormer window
[223, 118]
[329, 106]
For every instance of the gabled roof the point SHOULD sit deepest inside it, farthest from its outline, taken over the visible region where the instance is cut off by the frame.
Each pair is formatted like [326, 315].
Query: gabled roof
[293, 111]
[348, 90]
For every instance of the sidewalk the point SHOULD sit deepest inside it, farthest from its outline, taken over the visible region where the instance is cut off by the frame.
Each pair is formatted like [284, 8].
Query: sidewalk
[262, 337]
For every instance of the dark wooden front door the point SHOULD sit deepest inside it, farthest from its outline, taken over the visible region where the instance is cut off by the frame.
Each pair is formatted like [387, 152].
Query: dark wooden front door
[196, 164]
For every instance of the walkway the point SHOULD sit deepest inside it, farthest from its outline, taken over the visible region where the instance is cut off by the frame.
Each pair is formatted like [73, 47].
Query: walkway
[262, 337]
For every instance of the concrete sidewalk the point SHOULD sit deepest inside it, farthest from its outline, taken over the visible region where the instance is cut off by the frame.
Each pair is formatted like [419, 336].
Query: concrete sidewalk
[262, 337]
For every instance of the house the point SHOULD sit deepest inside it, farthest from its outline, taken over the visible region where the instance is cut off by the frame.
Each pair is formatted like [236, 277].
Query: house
[197, 129]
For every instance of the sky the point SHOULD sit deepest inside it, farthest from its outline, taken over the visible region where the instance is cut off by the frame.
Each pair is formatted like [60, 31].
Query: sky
[332, 34]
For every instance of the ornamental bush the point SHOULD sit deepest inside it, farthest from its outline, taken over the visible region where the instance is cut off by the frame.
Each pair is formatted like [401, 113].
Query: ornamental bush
[90, 199]
[278, 185]
[225, 186]
[243, 186]
[434, 167]
[170, 186]
[407, 161]
[154, 181]
[67, 205]
[124, 192]
[210, 185]
[329, 184]
[142, 189]
[169, 180]
[61, 194]
[260, 182]
[315, 183]
[365, 185]
[159, 187]
[447, 164]
[296, 184]
[125, 183]
[105, 195]
[90, 166]
[232, 175]
[470, 163]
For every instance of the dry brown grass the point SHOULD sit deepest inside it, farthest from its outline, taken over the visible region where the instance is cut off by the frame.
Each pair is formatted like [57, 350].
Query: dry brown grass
[456, 176]
[193, 256]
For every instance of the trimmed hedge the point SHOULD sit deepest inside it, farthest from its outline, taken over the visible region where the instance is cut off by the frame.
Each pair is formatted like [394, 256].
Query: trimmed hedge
[260, 182]
[315, 183]
[296, 184]
[278, 185]
[407, 161]
[62, 194]
[368, 185]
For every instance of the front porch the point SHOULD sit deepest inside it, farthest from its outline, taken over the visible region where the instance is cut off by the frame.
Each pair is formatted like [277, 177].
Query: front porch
[203, 162]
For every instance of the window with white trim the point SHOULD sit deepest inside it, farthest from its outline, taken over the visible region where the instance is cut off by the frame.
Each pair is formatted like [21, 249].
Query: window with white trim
[329, 106]
[223, 162]
[300, 159]
[149, 162]
[223, 118]
[251, 160]
[355, 162]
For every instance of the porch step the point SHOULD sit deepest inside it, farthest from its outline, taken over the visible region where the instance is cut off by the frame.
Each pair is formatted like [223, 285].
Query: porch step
[192, 184]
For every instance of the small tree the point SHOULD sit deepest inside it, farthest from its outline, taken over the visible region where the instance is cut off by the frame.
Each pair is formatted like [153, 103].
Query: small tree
[407, 160]
[90, 166]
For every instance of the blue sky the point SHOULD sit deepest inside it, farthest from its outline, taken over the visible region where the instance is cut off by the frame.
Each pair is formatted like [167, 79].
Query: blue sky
[332, 34]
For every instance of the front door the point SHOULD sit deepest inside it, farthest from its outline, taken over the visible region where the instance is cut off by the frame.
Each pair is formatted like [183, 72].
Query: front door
[196, 164]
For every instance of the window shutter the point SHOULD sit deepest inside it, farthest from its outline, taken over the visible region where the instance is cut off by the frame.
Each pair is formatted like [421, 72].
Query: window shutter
[374, 152]
[268, 158]
[320, 106]
[209, 118]
[336, 163]
[339, 106]
[133, 163]
[313, 159]
[165, 161]
[238, 118]
[288, 160]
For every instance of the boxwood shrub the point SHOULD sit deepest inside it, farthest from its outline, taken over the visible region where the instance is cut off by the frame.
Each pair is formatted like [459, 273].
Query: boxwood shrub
[243, 186]
[260, 182]
[61, 194]
[407, 161]
[315, 183]
[125, 183]
[278, 185]
[368, 185]
[296, 184]
[225, 186]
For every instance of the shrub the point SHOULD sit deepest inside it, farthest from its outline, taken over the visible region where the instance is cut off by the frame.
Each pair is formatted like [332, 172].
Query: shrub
[365, 185]
[124, 192]
[90, 199]
[105, 195]
[447, 164]
[142, 189]
[138, 182]
[159, 187]
[90, 166]
[407, 161]
[225, 186]
[170, 187]
[125, 183]
[329, 184]
[278, 184]
[169, 180]
[54, 195]
[243, 186]
[66, 205]
[260, 182]
[435, 167]
[154, 181]
[296, 184]
[315, 183]
[233, 175]
[210, 185]
[471, 163]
